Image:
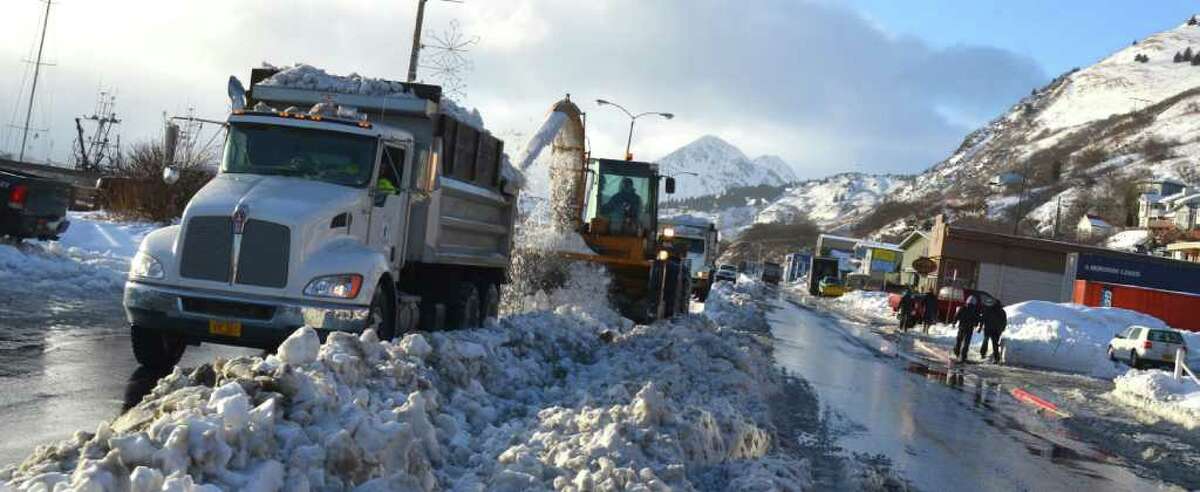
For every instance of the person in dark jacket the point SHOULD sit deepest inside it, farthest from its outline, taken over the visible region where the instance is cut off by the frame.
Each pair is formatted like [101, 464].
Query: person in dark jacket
[967, 319]
[931, 309]
[905, 310]
[995, 320]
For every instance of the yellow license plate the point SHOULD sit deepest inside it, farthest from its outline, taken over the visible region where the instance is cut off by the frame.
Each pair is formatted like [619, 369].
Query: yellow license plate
[225, 328]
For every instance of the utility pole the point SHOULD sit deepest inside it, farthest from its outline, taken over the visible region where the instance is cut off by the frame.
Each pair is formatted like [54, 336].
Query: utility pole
[414, 58]
[416, 45]
[37, 67]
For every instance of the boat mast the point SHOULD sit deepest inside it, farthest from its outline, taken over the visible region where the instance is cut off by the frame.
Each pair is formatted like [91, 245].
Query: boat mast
[37, 67]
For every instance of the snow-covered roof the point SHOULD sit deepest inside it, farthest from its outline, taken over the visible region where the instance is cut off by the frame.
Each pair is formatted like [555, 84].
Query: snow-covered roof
[1181, 199]
[1095, 222]
[1128, 240]
[878, 245]
[912, 236]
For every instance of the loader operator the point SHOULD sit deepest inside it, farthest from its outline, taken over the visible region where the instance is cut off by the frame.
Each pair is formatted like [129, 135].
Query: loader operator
[622, 208]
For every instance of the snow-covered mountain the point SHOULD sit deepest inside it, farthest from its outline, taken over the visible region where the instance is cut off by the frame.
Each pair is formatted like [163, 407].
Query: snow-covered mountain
[720, 166]
[1081, 142]
[832, 202]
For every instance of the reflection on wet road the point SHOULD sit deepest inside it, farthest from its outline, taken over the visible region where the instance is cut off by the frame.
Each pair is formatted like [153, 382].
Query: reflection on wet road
[941, 429]
[66, 365]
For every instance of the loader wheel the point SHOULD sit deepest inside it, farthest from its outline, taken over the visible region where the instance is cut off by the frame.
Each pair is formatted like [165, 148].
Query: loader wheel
[383, 312]
[156, 350]
[489, 301]
[462, 309]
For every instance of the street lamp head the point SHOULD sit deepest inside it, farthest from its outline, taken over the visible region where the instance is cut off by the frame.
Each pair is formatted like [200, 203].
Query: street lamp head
[602, 102]
[667, 115]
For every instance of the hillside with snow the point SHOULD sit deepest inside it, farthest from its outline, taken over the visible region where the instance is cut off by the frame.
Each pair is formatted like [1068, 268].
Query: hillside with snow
[719, 166]
[832, 202]
[1081, 142]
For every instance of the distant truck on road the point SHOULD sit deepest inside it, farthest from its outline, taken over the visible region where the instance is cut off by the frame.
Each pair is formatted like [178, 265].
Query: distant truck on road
[32, 206]
[337, 208]
[700, 239]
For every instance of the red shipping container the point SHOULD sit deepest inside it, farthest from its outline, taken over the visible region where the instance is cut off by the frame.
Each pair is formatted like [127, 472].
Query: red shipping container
[1178, 310]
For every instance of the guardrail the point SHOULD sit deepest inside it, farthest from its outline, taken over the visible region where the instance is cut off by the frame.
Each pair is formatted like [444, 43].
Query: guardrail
[1181, 366]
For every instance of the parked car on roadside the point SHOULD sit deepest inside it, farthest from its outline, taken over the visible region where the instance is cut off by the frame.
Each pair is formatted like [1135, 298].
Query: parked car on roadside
[831, 287]
[32, 206]
[726, 272]
[772, 273]
[1141, 346]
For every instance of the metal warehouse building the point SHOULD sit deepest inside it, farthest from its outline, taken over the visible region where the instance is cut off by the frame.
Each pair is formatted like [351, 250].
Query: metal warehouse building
[1016, 269]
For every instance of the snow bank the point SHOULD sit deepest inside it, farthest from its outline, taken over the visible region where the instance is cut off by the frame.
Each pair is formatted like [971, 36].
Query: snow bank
[734, 304]
[1159, 394]
[868, 304]
[1067, 337]
[1130, 240]
[549, 399]
[92, 255]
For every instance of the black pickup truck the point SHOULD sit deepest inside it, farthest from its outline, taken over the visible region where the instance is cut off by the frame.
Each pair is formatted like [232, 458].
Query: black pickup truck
[32, 206]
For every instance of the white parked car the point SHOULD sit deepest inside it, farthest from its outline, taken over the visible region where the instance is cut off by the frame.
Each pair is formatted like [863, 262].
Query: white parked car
[1141, 346]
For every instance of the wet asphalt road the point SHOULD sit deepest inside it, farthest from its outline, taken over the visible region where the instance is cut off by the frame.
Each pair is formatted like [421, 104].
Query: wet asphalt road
[939, 429]
[66, 365]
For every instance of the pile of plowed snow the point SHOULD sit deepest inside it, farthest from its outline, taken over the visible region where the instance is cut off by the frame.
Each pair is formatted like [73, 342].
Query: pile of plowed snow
[566, 399]
[93, 255]
[866, 304]
[1069, 337]
[1159, 393]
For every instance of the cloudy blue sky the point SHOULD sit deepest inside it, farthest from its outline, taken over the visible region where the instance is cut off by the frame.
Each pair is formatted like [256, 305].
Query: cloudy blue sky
[852, 85]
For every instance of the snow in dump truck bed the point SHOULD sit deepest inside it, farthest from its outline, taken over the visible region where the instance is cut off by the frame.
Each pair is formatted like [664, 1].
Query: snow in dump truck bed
[573, 398]
[304, 76]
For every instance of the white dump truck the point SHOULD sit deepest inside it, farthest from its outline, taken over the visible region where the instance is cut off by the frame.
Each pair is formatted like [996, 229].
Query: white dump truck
[342, 203]
[701, 239]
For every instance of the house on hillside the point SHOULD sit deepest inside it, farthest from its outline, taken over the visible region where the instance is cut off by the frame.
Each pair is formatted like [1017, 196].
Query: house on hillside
[1157, 200]
[1092, 227]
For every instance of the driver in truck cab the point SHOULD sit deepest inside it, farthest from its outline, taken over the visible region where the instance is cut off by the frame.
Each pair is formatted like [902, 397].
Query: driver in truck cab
[623, 205]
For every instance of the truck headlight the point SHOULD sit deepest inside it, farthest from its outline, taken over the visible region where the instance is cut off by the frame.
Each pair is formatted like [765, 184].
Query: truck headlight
[344, 286]
[145, 266]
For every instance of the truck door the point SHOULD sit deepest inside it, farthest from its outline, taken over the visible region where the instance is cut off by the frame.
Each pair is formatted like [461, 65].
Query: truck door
[390, 197]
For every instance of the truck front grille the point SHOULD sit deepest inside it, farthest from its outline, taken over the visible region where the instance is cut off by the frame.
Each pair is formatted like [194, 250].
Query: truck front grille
[207, 248]
[227, 309]
[263, 259]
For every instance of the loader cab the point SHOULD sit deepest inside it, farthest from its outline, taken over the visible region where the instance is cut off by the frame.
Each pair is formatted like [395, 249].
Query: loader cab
[624, 198]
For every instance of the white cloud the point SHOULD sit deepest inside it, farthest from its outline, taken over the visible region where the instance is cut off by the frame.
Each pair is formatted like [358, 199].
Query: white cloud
[812, 82]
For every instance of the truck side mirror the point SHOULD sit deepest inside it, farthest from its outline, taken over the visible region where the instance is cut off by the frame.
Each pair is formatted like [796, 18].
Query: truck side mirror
[670, 185]
[170, 175]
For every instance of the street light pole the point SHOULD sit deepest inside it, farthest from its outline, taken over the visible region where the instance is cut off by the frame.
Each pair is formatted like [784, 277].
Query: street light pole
[632, 119]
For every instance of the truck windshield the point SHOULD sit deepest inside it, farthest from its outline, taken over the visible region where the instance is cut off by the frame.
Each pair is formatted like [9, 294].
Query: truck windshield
[695, 246]
[337, 158]
[625, 199]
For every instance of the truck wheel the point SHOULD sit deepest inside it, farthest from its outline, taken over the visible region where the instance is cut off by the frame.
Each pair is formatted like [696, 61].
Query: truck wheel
[154, 349]
[462, 310]
[489, 301]
[383, 312]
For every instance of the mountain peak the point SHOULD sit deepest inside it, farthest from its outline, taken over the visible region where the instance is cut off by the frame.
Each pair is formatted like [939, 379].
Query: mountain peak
[710, 165]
